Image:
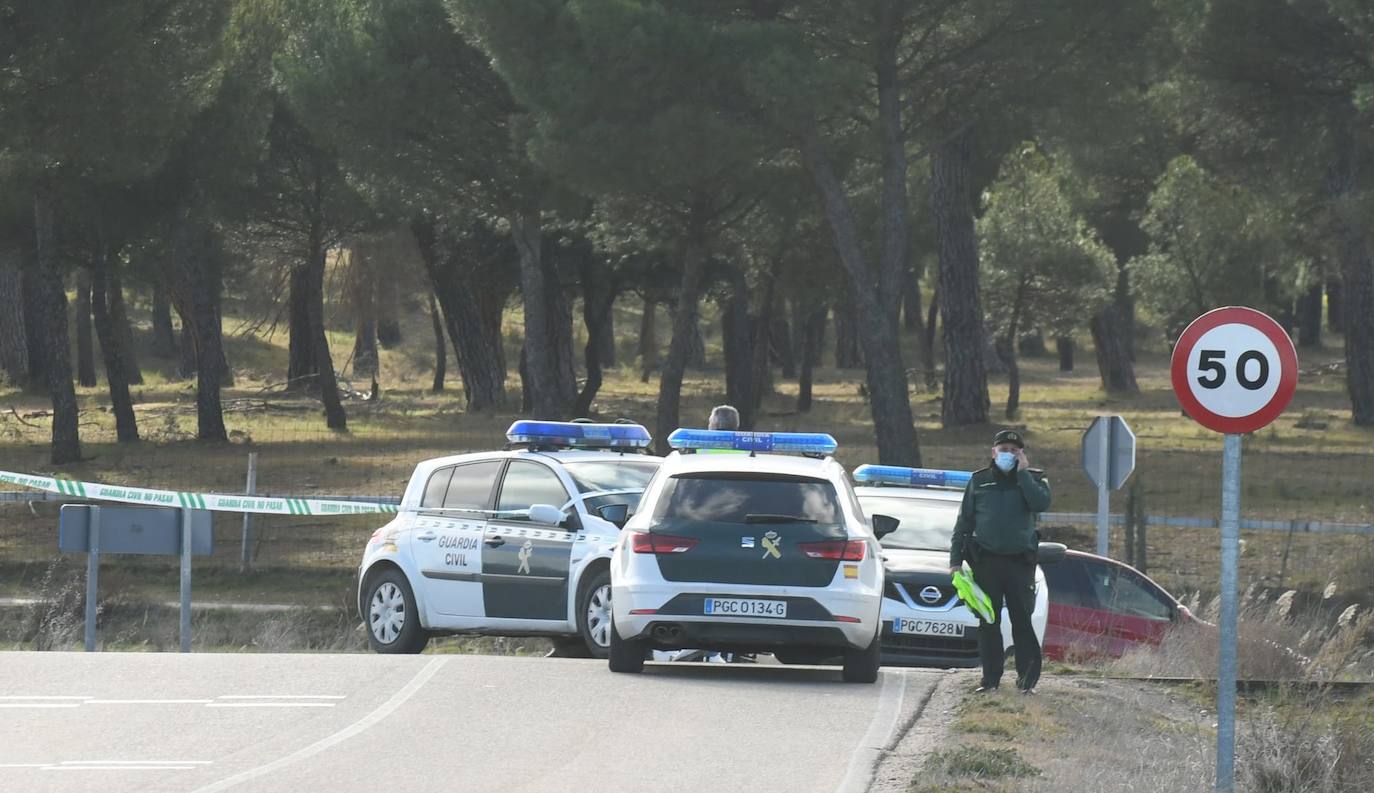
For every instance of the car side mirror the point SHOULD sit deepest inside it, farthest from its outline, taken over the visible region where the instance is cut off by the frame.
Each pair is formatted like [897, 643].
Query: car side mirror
[884, 525]
[1051, 552]
[614, 513]
[547, 514]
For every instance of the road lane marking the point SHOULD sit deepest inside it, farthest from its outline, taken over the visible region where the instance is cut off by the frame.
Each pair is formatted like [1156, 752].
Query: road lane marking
[147, 702]
[385, 709]
[119, 768]
[10, 697]
[135, 762]
[40, 704]
[270, 705]
[282, 696]
[23, 765]
[864, 762]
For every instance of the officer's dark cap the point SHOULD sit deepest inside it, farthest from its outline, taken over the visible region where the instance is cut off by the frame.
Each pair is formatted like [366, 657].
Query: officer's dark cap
[1009, 436]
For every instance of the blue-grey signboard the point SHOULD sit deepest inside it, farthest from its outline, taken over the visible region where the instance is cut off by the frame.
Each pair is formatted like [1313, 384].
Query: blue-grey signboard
[149, 531]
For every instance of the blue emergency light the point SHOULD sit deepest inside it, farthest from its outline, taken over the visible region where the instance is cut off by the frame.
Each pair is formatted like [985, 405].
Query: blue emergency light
[728, 440]
[579, 435]
[919, 477]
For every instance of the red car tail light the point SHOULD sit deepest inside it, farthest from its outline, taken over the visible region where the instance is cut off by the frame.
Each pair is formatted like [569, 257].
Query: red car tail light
[651, 542]
[835, 550]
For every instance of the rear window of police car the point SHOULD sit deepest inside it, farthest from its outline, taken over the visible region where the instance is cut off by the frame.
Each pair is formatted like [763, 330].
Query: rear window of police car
[731, 498]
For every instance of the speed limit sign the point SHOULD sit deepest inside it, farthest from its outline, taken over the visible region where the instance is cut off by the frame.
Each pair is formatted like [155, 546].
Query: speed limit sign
[1234, 370]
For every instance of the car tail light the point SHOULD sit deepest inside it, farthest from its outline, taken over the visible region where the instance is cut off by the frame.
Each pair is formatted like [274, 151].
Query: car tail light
[835, 550]
[651, 542]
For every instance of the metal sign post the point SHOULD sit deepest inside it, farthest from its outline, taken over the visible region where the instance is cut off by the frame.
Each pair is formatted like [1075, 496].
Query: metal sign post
[1234, 370]
[1108, 459]
[1226, 661]
[92, 577]
[187, 530]
[245, 553]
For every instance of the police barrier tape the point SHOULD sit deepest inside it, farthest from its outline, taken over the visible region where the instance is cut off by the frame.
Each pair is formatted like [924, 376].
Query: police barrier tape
[264, 505]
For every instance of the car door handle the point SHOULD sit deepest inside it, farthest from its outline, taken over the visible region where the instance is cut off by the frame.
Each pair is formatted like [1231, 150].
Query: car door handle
[426, 536]
[494, 542]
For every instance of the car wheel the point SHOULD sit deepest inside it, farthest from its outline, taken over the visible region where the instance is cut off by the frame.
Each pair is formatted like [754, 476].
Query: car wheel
[594, 613]
[393, 622]
[861, 666]
[626, 655]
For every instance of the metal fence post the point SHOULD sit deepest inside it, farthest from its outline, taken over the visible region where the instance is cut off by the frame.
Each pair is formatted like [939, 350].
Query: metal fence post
[245, 552]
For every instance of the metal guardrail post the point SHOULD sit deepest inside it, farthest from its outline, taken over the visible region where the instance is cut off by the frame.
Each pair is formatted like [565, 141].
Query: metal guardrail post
[92, 577]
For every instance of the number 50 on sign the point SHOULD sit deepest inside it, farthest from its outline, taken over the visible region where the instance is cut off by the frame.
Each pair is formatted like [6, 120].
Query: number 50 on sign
[1234, 370]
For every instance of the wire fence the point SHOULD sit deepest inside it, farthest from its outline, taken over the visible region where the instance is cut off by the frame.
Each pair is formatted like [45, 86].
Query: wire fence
[1309, 514]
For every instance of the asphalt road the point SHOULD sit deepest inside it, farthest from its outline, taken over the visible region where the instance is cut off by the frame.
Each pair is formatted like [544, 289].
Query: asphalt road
[114, 722]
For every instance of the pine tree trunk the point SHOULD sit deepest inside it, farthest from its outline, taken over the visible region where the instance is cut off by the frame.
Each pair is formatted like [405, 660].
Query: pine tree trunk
[813, 325]
[164, 338]
[472, 288]
[1006, 350]
[762, 339]
[14, 344]
[848, 352]
[780, 336]
[1357, 272]
[196, 258]
[35, 331]
[560, 329]
[387, 303]
[119, 317]
[302, 370]
[685, 330]
[112, 347]
[1032, 345]
[85, 349]
[737, 341]
[648, 341]
[598, 309]
[52, 317]
[1310, 316]
[540, 373]
[189, 364]
[440, 353]
[364, 283]
[911, 300]
[335, 418]
[1113, 359]
[966, 399]
[1335, 319]
[1065, 346]
[928, 342]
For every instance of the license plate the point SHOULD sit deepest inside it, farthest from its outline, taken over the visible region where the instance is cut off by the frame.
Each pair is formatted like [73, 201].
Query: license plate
[927, 627]
[732, 607]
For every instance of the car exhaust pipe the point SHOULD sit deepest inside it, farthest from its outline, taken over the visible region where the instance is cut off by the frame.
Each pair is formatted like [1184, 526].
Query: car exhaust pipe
[666, 633]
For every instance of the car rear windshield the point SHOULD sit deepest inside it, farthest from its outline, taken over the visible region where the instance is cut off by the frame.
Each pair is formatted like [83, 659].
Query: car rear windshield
[925, 524]
[749, 498]
[616, 474]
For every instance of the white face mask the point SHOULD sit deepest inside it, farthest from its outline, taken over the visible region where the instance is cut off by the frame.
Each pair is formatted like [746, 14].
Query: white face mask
[1005, 460]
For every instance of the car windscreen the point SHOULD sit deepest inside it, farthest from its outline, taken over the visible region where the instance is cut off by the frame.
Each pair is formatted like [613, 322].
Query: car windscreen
[924, 523]
[748, 499]
[619, 473]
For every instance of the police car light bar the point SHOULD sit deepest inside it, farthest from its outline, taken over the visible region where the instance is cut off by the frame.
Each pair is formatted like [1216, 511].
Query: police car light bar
[579, 435]
[795, 442]
[919, 477]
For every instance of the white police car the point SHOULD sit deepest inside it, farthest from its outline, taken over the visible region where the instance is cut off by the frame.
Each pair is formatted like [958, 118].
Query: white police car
[512, 542]
[924, 624]
[757, 552]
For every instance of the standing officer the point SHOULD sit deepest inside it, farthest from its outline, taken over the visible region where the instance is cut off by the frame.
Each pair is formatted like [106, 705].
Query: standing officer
[996, 533]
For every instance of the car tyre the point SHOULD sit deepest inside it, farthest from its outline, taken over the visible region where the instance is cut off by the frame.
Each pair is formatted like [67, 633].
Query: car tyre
[626, 655]
[594, 613]
[391, 617]
[861, 666]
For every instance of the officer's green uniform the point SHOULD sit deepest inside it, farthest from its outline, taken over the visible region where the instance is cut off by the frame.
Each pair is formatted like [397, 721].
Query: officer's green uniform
[996, 534]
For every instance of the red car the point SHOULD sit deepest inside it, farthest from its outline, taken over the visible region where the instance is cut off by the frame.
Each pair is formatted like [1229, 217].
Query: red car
[1100, 608]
